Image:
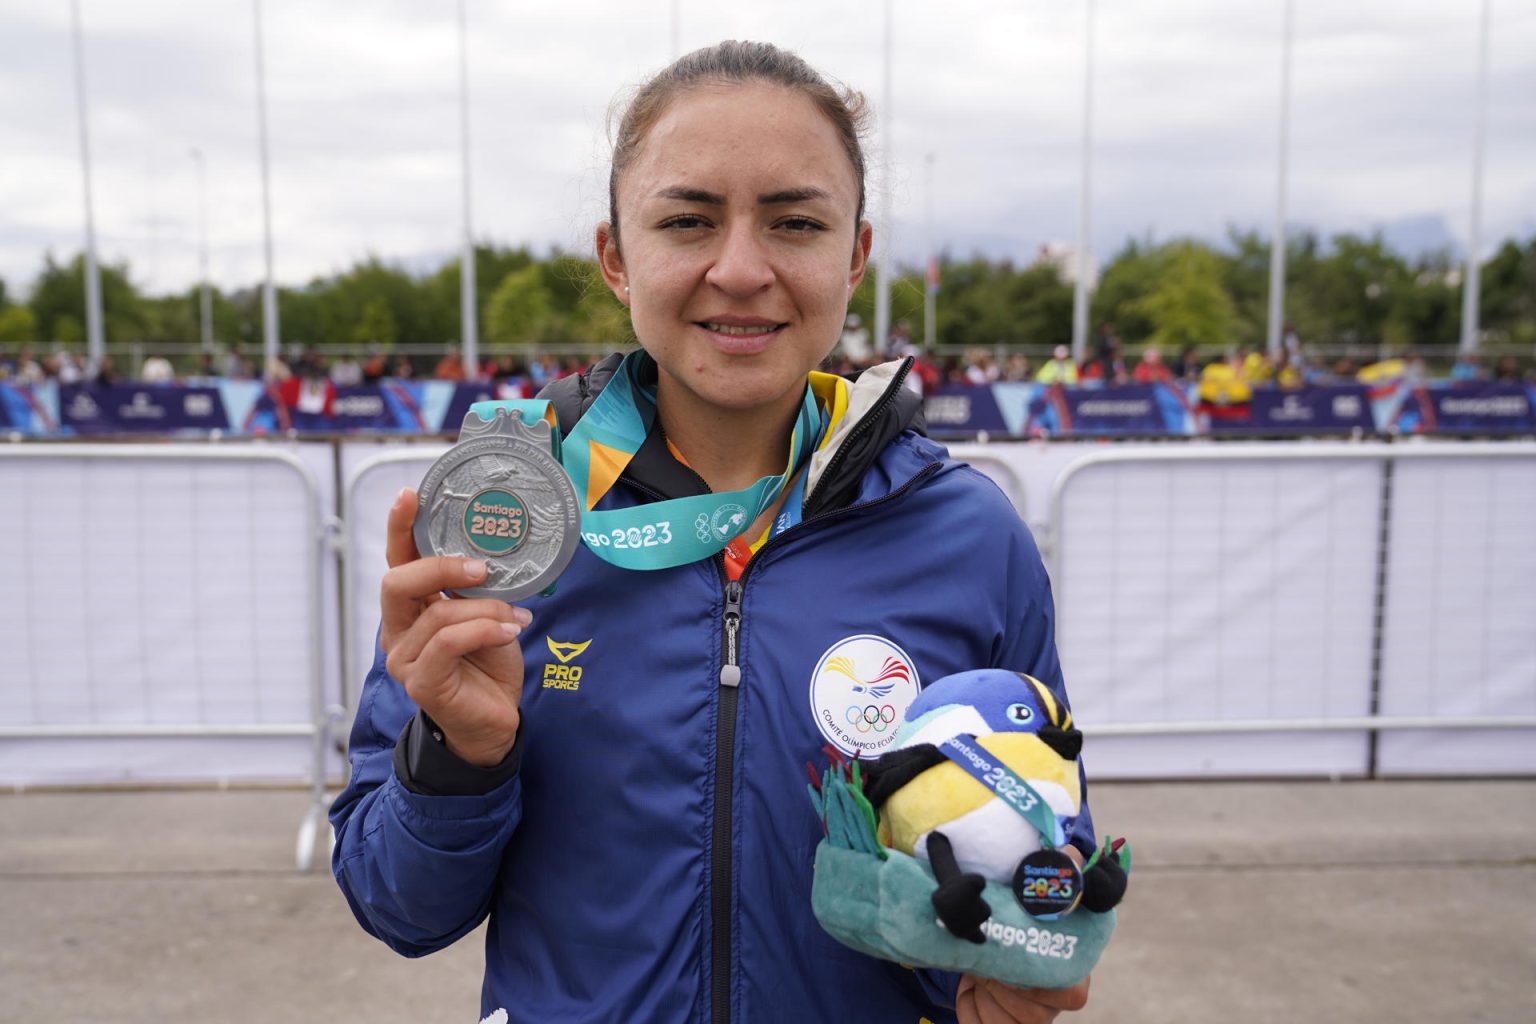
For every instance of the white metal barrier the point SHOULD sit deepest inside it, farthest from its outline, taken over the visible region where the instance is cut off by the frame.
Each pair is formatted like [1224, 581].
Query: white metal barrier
[1277, 602]
[1301, 609]
[371, 479]
[160, 592]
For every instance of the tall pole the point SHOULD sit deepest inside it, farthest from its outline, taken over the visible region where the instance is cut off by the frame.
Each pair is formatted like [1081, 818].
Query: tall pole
[887, 252]
[931, 286]
[467, 317]
[1084, 264]
[1277, 241]
[95, 338]
[206, 302]
[269, 288]
[1472, 279]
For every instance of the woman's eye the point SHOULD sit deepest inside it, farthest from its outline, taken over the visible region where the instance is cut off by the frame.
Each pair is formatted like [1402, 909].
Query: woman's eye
[684, 222]
[798, 224]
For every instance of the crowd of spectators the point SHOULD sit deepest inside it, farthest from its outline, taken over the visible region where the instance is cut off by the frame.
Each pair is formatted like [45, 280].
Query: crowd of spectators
[1225, 378]
[518, 376]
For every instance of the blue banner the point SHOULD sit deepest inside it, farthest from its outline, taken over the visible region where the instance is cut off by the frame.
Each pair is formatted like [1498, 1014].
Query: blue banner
[963, 409]
[1017, 409]
[1325, 409]
[140, 409]
[1497, 407]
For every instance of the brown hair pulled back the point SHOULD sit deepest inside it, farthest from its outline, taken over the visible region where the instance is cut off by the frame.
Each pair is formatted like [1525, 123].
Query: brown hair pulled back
[735, 62]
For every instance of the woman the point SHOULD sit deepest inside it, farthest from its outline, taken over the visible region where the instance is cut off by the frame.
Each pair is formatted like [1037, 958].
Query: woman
[615, 774]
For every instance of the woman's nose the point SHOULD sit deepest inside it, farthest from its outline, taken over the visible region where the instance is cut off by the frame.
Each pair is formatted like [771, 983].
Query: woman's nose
[741, 265]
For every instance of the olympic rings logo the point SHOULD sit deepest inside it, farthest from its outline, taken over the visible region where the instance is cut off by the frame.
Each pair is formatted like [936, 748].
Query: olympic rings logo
[870, 717]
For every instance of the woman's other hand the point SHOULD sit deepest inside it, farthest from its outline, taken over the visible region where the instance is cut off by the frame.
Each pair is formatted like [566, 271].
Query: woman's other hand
[984, 1001]
[459, 658]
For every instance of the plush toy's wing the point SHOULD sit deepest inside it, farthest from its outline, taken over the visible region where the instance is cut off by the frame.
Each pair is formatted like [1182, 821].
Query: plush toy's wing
[889, 772]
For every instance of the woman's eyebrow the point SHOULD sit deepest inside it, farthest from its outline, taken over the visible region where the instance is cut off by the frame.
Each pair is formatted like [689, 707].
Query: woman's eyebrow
[683, 193]
[793, 195]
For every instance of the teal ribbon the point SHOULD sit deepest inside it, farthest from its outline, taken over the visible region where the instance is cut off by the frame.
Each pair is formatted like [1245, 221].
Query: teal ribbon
[1011, 789]
[661, 534]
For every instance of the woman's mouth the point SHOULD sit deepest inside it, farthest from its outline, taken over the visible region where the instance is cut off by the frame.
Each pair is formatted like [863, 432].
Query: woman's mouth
[739, 339]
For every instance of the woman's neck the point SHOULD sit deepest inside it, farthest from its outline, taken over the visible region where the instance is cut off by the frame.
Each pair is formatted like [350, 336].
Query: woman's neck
[731, 449]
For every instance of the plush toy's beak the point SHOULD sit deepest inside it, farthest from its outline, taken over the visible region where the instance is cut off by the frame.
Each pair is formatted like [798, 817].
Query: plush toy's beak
[1066, 742]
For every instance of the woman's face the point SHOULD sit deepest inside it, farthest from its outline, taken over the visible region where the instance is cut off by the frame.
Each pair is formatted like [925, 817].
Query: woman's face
[739, 246]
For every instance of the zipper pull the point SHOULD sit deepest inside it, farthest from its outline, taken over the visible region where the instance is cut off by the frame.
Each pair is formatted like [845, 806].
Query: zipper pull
[730, 672]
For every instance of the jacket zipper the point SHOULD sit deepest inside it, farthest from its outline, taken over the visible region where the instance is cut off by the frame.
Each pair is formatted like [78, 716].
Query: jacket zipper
[721, 862]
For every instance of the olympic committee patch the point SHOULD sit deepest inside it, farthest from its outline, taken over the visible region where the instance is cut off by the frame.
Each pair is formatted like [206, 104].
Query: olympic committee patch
[860, 691]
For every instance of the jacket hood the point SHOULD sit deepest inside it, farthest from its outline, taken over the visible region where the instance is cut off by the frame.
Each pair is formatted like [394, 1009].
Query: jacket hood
[880, 407]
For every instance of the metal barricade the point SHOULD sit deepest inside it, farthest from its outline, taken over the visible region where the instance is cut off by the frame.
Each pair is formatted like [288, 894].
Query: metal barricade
[362, 543]
[128, 532]
[1286, 560]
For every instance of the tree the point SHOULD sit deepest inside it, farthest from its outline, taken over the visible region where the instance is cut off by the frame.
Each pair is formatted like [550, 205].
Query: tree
[17, 325]
[1188, 305]
[376, 326]
[520, 309]
[1508, 293]
[58, 302]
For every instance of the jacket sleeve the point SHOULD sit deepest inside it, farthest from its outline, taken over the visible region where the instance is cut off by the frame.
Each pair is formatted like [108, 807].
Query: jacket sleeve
[419, 833]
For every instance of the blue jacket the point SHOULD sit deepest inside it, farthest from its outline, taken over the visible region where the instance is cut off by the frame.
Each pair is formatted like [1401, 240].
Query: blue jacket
[645, 852]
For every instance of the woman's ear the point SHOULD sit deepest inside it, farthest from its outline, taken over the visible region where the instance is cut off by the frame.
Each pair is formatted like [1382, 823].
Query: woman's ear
[611, 262]
[862, 241]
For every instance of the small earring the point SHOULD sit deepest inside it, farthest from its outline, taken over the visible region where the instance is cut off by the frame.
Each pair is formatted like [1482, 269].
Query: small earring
[626, 287]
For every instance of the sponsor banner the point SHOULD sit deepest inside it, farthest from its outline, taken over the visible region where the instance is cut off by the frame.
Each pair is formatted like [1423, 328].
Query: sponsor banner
[1013, 400]
[142, 409]
[1323, 409]
[963, 409]
[1497, 407]
[465, 395]
[1139, 410]
[22, 409]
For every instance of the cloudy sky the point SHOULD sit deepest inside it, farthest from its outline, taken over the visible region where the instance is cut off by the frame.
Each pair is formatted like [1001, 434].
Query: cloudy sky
[364, 129]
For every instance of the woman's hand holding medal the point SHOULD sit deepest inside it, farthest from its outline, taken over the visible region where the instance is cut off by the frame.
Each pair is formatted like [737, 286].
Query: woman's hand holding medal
[458, 659]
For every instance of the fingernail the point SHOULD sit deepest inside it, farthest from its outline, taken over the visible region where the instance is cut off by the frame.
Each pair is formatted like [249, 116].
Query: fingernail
[473, 568]
[400, 498]
[512, 629]
[522, 615]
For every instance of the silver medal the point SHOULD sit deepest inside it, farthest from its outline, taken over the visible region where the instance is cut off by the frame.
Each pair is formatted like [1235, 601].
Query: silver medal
[500, 496]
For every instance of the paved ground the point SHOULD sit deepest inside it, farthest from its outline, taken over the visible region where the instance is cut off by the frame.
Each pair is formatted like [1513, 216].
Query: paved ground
[1305, 902]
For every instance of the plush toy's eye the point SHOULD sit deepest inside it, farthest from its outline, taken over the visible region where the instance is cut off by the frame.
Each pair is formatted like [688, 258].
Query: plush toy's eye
[1020, 713]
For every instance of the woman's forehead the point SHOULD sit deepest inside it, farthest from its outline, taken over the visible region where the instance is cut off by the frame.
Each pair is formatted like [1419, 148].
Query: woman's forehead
[737, 140]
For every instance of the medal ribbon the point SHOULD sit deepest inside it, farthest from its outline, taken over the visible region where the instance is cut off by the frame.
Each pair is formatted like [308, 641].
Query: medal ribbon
[666, 533]
[1011, 789]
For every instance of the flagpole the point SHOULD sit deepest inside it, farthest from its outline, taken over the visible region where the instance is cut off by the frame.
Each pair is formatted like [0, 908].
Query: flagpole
[269, 332]
[1080, 284]
[1277, 242]
[95, 335]
[470, 340]
[1472, 279]
[206, 300]
[931, 289]
[887, 252]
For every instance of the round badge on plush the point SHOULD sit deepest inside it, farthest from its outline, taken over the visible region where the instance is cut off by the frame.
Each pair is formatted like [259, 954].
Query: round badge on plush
[947, 850]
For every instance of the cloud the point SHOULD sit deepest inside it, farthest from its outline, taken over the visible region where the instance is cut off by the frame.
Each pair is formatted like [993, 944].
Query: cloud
[364, 121]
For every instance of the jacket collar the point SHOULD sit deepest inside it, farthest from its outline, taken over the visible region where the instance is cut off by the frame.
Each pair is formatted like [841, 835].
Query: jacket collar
[880, 407]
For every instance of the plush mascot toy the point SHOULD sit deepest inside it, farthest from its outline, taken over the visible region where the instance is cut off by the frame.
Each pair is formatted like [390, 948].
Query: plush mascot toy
[965, 818]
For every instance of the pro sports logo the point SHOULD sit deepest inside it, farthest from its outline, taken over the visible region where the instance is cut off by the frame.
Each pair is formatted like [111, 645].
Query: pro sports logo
[859, 692]
[561, 674]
